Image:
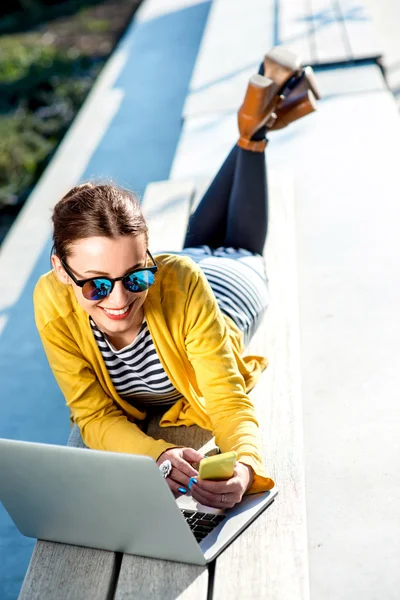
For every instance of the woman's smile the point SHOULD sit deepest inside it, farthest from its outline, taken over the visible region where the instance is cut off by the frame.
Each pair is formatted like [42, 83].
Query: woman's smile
[116, 314]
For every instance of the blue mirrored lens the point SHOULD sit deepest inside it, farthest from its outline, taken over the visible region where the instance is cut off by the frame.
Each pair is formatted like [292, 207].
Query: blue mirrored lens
[97, 289]
[139, 281]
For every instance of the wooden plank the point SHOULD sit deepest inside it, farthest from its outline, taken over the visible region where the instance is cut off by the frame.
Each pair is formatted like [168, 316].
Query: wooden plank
[69, 572]
[329, 37]
[237, 36]
[274, 548]
[193, 436]
[166, 206]
[359, 29]
[151, 579]
[295, 28]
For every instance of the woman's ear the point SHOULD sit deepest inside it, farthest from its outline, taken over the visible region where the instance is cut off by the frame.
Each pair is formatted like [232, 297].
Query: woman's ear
[59, 269]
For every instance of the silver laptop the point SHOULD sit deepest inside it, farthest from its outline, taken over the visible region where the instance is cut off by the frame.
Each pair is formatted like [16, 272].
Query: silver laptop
[113, 501]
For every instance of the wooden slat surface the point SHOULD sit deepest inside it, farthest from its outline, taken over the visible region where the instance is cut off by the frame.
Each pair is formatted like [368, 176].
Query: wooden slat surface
[150, 579]
[193, 436]
[60, 571]
[269, 560]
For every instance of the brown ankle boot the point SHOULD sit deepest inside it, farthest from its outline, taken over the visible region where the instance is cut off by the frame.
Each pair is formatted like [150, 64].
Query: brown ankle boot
[298, 99]
[294, 109]
[258, 105]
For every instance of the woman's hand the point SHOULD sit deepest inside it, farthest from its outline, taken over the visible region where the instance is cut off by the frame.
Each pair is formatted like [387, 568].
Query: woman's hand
[182, 469]
[224, 494]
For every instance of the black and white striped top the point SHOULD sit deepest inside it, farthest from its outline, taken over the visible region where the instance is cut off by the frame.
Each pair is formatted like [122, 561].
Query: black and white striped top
[239, 283]
[238, 280]
[136, 371]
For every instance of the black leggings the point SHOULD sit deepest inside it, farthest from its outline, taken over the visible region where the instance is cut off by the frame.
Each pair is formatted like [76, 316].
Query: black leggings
[234, 210]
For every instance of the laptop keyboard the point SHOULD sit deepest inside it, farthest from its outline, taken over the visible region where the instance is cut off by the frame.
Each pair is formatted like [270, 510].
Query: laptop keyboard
[201, 523]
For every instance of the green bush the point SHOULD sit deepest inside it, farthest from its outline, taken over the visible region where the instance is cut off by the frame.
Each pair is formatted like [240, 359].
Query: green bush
[40, 93]
[22, 150]
[17, 59]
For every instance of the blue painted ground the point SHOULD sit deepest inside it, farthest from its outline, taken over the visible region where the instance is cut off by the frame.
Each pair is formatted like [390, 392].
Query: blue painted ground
[138, 148]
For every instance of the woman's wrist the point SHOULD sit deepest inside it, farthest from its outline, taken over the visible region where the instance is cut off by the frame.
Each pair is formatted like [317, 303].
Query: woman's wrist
[251, 475]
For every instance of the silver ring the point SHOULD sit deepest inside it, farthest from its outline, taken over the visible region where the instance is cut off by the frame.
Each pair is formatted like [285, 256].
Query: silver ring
[222, 497]
[165, 468]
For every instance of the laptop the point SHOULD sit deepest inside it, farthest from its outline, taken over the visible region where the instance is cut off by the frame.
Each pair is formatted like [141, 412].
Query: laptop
[113, 501]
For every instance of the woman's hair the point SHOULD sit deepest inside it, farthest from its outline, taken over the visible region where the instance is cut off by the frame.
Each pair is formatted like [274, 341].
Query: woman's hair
[89, 210]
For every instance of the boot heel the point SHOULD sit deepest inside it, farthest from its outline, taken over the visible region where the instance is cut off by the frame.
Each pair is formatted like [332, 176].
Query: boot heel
[312, 82]
[259, 103]
[280, 64]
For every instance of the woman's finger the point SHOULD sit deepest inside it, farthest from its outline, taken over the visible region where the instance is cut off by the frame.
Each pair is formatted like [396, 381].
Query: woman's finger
[179, 477]
[177, 488]
[181, 464]
[214, 500]
[228, 486]
[192, 455]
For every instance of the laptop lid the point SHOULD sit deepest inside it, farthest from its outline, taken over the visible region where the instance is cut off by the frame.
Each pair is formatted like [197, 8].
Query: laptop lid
[104, 500]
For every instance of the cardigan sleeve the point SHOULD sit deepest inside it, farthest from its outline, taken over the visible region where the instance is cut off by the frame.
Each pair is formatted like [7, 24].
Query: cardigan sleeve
[230, 409]
[103, 424]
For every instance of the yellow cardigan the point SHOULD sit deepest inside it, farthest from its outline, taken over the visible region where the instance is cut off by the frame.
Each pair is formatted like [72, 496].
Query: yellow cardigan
[198, 347]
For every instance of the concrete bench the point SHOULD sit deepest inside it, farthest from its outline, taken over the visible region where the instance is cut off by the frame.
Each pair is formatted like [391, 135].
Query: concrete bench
[273, 550]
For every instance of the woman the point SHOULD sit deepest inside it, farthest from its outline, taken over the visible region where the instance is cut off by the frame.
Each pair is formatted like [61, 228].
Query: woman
[124, 332]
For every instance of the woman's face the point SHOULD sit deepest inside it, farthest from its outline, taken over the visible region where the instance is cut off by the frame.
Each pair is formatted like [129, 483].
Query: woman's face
[112, 258]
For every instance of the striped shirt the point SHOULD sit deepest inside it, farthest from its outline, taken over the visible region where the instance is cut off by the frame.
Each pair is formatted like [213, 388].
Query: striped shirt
[239, 283]
[136, 371]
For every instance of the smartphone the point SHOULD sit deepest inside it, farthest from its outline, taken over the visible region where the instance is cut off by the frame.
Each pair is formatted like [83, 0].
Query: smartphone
[218, 467]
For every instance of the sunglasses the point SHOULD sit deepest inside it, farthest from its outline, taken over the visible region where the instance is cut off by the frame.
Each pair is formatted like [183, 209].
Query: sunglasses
[98, 288]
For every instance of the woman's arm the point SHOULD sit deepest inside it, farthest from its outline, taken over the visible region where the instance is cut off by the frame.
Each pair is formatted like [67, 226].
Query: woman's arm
[230, 409]
[102, 423]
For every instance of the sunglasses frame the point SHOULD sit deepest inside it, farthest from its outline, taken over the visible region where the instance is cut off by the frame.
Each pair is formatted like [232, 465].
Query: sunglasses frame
[81, 282]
